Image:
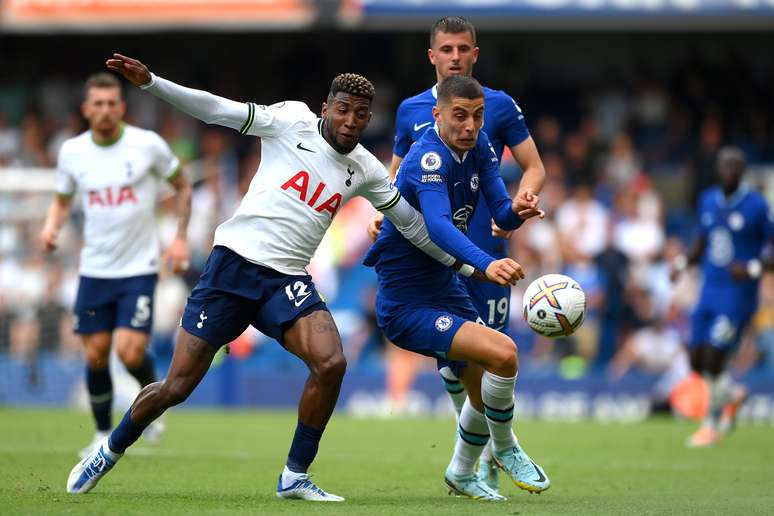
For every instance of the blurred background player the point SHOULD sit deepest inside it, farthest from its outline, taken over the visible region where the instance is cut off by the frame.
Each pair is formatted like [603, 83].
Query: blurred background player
[453, 51]
[256, 273]
[119, 170]
[426, 309]
[736, 224]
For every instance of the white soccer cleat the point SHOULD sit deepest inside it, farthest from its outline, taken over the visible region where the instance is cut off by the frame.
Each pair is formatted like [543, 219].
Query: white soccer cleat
[302, 488]
[95, 441]
[471, 486]
[85, 475]
[153, 432]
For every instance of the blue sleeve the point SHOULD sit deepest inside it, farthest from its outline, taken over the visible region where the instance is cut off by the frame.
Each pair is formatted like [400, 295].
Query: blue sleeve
[492, 186]
[436, 210]
[513, 126]
[704, 215]
[403, 134]
[768, 222]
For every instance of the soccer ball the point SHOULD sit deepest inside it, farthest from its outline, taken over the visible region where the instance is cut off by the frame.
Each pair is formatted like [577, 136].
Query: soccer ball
[554, 305]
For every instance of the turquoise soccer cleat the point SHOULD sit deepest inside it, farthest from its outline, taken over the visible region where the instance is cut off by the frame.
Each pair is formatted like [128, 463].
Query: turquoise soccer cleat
[85, 475]
[302, 488]
[523, 471]
[472, 487]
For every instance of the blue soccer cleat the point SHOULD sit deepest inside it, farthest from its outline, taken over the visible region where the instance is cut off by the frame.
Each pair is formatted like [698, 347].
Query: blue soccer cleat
[488, 474]
[472, 487]
[85, 475]
[523, 471]
[302, 488]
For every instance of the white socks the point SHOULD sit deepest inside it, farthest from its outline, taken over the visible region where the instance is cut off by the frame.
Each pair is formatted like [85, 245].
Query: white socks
[454, 388]
[721, 391]
[497, 394]
[472, 439]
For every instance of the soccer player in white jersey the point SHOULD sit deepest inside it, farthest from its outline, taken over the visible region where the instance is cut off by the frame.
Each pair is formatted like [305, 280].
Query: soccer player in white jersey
[118, 168]
[256, 272]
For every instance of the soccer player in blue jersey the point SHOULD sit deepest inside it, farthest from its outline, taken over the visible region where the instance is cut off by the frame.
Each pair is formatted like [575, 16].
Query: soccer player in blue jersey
[736, 225]
[426, 309]
[453, 51]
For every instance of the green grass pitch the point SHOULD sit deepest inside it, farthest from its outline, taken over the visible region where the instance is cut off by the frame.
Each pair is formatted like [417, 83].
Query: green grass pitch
[227, 463]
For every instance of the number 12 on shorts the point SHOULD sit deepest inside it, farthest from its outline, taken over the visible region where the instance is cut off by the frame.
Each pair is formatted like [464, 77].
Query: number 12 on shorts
[297, 293]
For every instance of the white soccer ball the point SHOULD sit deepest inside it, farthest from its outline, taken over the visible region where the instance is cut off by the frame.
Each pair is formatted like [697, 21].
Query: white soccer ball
[554, 305]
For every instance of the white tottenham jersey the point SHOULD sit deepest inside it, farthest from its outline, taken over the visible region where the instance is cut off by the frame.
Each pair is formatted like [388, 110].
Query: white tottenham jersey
[301, 182]
[119, 185]
[300, 185]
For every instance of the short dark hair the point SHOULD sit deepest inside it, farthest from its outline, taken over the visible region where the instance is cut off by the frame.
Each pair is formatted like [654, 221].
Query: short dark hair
[459, 86]
[452, 25]
[101, 80]
[732, 154]
[353, 84]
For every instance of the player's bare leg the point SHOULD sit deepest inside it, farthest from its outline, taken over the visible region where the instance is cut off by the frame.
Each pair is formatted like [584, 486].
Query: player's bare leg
[99, 385]
[132, 350]
[315, 339]
[190, 362]
[490, 406]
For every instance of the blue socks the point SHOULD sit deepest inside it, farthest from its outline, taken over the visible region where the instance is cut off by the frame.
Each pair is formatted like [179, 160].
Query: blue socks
[144, 373]
[100, 388]
[304, 448]
[125, 434]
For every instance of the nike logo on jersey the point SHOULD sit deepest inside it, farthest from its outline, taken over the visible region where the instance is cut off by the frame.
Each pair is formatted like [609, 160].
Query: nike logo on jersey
[301, 147]
[300, 301]
[297, 293]
[417, 127]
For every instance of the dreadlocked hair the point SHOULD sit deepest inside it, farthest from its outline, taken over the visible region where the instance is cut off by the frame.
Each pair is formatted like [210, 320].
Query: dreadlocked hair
[353, 84]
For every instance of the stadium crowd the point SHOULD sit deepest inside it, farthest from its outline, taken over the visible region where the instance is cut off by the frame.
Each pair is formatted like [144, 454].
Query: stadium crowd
[625, 160]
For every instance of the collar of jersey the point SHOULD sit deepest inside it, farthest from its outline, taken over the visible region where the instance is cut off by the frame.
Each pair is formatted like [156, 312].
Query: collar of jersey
[434, 91]
[330, 150]
[453, 152]
[735, 198]
[108, 143]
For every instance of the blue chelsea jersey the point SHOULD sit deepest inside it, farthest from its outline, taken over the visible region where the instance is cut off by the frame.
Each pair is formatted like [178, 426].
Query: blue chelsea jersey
[430, 167]
[504, 124]
[735, 229]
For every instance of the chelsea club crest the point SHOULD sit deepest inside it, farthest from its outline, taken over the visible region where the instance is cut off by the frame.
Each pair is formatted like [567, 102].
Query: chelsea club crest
[443, 323]
[474, 183]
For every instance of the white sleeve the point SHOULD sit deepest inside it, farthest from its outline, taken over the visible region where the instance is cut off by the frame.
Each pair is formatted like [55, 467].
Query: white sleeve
[387, 199]
[165, 163]
[65, 182]
[245, 117]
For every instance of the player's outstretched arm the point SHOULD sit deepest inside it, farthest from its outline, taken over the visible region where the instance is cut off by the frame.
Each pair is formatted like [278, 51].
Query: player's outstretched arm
[205, 106]
[527, 201]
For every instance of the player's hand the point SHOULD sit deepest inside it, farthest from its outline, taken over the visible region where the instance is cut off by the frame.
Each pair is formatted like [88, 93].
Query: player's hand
[375, 226]
[176, 256]
[48, 238]
[504, 272]
[526, 205]
[738, 271]
[499, 232]
[134, 71]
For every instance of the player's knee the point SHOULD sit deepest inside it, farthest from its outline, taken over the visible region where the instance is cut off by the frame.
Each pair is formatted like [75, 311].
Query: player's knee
[97, 357]
[332, 369]
[506, 355]
[131, 356]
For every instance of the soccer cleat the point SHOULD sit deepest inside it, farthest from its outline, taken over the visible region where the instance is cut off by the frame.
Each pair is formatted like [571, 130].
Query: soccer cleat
[85, 475]
[152, 434]
[472, 487]
[95, 442]
[488, 473]
[302, 488]
[523, 471]
[703, 437]
[731, 410]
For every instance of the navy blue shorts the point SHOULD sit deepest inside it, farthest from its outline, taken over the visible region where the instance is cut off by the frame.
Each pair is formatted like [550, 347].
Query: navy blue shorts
[103, 304]
[234, 293]
[492, 302]
[427, 329]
